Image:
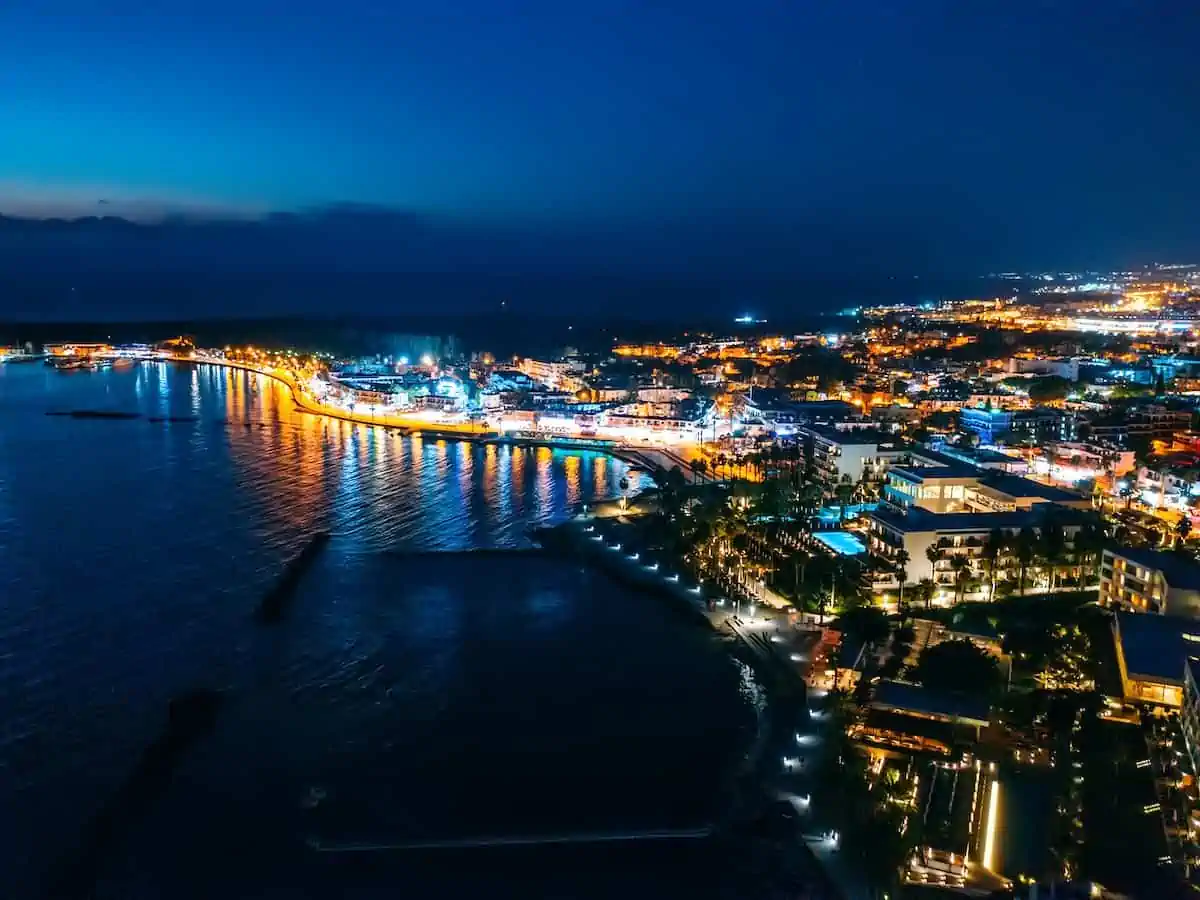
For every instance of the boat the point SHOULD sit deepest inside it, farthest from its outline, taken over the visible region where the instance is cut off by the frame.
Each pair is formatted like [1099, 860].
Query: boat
[68, 363]
[71, 363]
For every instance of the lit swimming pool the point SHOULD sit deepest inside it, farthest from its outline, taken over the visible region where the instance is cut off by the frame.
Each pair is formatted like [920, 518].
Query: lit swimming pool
[841, 542]
[834, 513]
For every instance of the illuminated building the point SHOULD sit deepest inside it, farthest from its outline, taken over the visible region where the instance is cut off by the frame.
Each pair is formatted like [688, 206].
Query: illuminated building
[913, 718]
[950, 487]
[669, 421]
[1151, 655]
[1072, 461]
[961, 534]
[1117, 324]
[986, 422]
[1141, 580]
[1172, 482]
[75, 348]
[1189, 715]
[1063, 368]
[938, 489]
[1040, 423]
[651, 351]
[978, 457]
[1151, 420]
[561, 375]
[856, 454]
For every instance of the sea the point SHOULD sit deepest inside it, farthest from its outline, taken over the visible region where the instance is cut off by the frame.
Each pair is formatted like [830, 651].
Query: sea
[429, 681]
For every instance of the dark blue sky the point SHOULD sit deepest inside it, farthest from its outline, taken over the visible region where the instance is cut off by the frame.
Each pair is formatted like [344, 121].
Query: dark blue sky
[914, 135]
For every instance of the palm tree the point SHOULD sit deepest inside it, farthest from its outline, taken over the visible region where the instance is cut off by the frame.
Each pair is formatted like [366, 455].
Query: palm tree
[962, 571]
[864, 487]
[810, 497]
[1053, 549]
[1183, 528]
[1088, 543]
[848, 590]
[933, 553]
[844, 493]
[799, 560]
[902, 559]
[925, 591]
[993, 548]
[1026, 552]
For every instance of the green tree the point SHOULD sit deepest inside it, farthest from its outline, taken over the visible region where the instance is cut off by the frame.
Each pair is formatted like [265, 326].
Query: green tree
[933, 553]
[1053, 550]
[1026, 553]
[1048, 389]
[902, 559]
[1088, 542]
[844, 493]
[810, 498]
[925, 591]
[1127, 390]
[962, 573]
[799, 560]
[993, 550]
[958, 667]
[865, 623]
[1183, 528]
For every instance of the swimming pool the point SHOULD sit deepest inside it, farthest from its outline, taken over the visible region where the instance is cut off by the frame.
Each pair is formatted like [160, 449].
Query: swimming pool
[841, 542]
[853, 511]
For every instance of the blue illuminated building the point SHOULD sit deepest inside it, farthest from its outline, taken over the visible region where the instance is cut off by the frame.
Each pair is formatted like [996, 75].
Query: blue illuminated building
[985, 422]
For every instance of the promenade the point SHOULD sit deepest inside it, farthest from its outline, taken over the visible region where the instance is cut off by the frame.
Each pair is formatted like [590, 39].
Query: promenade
[646, 455]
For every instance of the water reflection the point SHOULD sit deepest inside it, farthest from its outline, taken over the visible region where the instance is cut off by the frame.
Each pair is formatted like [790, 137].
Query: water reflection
[177, 528]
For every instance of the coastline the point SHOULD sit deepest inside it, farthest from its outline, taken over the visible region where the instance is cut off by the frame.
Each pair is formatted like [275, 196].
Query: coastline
[750, 789]
[784, 695]
[418, 427]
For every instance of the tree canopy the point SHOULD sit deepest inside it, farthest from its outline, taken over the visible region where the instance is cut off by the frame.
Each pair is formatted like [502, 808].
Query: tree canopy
[866, 623]
[1016, 382]
[1048, 388]
[959, 667]
[1127, 390]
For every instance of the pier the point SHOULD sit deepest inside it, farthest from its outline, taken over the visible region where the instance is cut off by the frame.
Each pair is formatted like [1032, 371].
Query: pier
[191, 717]
[275, 601]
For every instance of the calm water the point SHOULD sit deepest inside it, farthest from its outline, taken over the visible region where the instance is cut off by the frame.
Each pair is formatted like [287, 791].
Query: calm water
[422, 695]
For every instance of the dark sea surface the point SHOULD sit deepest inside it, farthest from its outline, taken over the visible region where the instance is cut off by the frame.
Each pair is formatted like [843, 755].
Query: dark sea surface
[409, 694]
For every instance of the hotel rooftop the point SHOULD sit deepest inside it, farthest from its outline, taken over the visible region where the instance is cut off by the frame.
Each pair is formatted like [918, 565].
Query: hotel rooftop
[918, 520]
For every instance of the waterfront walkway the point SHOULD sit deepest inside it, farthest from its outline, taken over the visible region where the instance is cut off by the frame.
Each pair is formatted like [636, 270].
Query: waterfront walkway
[648, 456]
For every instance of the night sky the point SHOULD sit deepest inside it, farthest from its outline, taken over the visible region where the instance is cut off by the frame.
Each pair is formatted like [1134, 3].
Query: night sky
[747, 138]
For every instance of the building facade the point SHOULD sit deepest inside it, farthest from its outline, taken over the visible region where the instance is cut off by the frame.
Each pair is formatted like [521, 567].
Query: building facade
[1189, 714]
[851, 454]
[1135, 579]
[933, 542]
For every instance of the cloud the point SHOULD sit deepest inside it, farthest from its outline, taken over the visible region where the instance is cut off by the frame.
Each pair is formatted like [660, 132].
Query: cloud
[43, 200]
